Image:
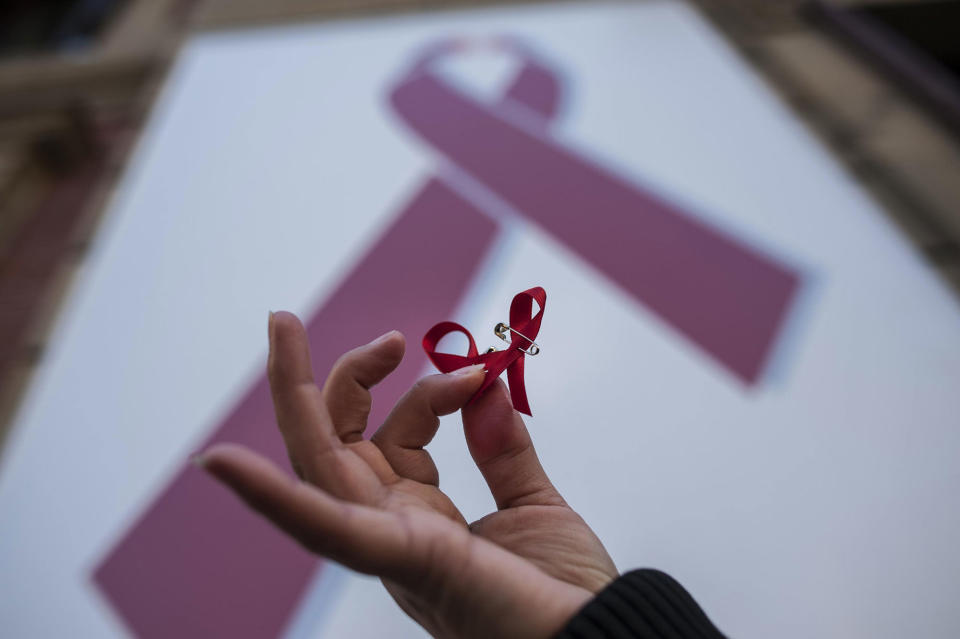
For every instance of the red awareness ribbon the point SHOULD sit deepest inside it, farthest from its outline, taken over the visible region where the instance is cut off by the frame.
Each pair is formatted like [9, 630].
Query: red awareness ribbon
[525, 328]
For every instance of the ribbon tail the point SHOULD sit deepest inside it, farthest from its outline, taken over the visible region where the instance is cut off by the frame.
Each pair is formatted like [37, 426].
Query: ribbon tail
[518, 390]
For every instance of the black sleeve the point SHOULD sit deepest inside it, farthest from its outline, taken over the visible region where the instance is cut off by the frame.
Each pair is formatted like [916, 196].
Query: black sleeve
[646, 604]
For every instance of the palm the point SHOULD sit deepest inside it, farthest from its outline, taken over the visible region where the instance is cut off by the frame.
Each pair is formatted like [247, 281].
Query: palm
[550, 536]
[375, 505]
[554, 539]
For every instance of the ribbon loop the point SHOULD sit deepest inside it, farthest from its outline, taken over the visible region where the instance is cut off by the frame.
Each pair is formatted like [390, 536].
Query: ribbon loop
[526, 326]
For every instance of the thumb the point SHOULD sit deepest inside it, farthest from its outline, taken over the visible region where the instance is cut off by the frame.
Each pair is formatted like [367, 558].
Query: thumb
[503, 451]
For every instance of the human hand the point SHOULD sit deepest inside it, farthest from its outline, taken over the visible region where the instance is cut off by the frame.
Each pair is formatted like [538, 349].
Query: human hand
[375, 505]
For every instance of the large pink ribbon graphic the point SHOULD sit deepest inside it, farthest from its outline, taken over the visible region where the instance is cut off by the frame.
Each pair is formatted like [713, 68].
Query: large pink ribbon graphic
[197, 564]
[724, 296]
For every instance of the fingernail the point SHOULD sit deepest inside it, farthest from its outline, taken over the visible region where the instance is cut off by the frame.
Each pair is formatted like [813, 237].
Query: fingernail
[383, 337]
[198, 460]
[467, 370]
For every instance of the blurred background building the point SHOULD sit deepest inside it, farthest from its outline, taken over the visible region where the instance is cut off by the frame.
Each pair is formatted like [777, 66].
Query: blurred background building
[877, 81]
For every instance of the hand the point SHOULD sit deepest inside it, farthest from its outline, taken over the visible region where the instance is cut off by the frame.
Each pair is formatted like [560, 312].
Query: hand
[375, 505]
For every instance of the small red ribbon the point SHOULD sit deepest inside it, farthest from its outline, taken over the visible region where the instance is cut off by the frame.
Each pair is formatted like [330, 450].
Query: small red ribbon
[524, 324]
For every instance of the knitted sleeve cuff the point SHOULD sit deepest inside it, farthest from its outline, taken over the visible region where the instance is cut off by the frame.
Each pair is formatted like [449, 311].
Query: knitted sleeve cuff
[643, 603]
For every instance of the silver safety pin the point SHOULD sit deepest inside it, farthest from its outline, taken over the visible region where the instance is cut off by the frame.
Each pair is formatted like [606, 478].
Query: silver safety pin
[500, 330]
